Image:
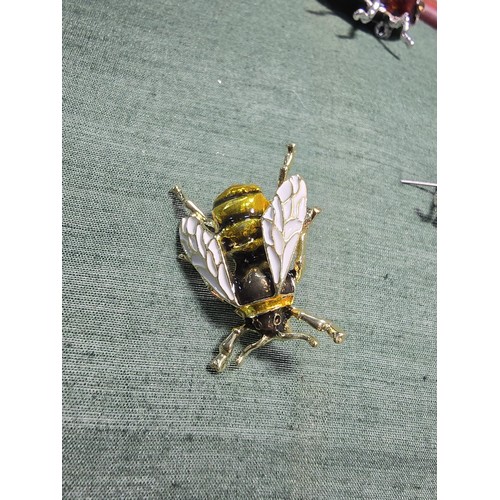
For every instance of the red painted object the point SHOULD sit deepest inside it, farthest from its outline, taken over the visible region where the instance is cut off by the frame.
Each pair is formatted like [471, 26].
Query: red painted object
[399, 7]
[429, 15]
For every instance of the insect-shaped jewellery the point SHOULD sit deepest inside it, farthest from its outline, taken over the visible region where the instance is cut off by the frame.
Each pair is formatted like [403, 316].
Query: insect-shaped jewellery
[391, 15]
[250, 254]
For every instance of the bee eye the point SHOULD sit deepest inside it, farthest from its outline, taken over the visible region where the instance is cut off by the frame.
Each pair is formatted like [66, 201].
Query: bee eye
[277, 319]
[257, 323]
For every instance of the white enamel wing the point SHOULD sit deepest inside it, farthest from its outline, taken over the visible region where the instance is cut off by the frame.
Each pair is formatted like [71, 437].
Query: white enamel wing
[281, 226]
[203, 251]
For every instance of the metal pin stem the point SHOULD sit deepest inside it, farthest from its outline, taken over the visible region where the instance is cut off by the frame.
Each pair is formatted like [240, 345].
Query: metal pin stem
[418, 183]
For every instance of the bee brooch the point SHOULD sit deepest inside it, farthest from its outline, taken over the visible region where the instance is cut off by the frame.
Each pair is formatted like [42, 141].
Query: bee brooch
[250, 253]
[391, 15]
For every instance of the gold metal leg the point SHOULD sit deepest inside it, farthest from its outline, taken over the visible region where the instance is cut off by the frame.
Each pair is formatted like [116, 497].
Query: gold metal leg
[219, 363]
[287, 163]
[321, 325]
[312, 341]
[191, 206]
[300, 258]
[265, 339]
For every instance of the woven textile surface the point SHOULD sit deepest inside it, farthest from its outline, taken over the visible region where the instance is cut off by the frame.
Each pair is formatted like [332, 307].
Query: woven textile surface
[205, 95]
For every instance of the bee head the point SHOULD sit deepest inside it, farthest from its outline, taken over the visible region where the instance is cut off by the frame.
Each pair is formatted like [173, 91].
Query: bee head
[272, 321]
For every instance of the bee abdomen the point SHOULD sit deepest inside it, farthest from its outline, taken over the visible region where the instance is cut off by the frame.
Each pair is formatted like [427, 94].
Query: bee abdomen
[237, 212]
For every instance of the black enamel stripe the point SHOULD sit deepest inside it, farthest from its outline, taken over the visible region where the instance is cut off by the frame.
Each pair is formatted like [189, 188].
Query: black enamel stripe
[229, 220]
[234, 196]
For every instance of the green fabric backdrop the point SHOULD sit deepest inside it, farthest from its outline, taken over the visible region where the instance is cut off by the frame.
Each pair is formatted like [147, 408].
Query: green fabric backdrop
[206, 94]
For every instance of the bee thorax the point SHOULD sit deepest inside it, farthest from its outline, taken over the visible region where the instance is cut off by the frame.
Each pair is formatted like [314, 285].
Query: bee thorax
[255, 284]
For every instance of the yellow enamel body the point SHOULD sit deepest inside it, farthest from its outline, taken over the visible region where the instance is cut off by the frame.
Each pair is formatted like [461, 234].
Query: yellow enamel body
[237, 213]
[266, 305]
